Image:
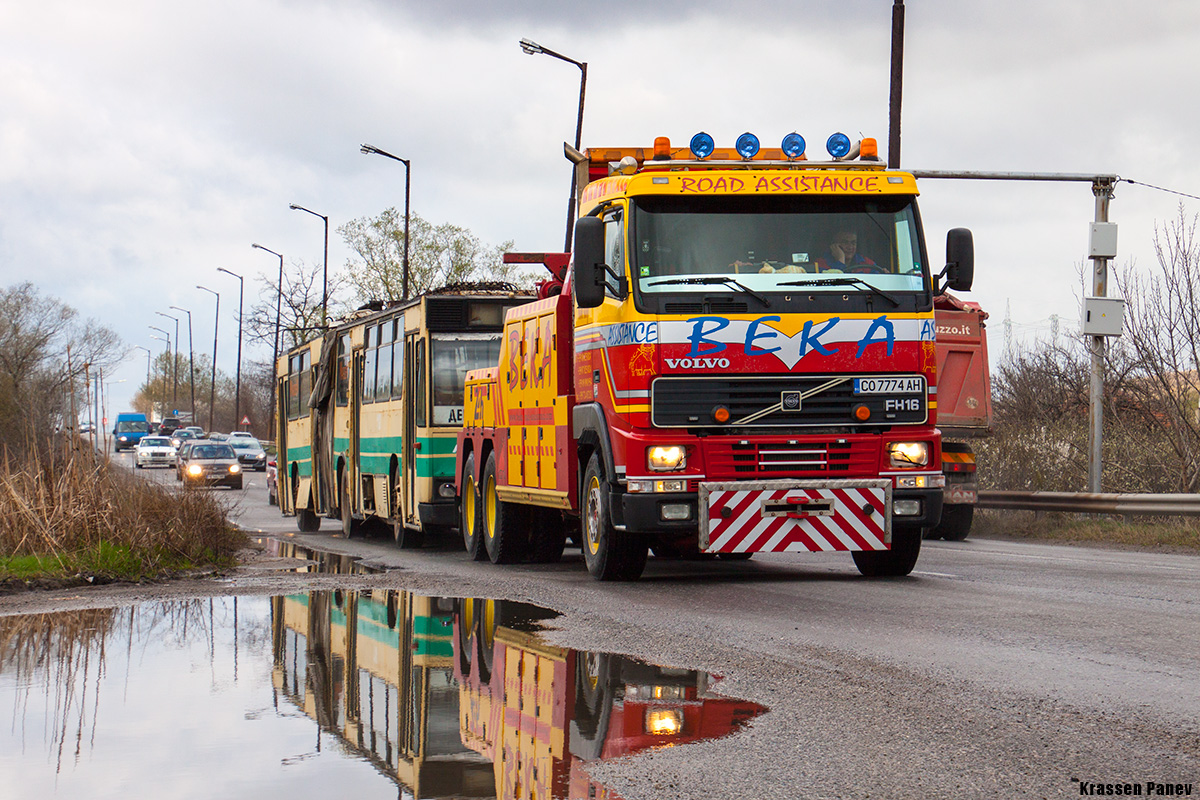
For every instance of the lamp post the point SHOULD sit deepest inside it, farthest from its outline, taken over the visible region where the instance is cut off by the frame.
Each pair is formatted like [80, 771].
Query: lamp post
[212, 387]
[147, 349]
[237, 392]
[278, 309]
[165, 338]
[191, 361]
[324, 267]
[533, 49]
[370, 149]
[175, 363]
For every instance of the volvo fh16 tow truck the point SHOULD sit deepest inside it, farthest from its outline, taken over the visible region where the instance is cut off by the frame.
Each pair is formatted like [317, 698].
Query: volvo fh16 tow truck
[737, 358]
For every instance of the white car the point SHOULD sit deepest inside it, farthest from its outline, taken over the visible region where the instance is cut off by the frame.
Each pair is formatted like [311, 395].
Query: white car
[154, 451]
[236, 434]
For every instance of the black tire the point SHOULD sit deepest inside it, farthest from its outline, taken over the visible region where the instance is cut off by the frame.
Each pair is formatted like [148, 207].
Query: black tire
[549, 535]
[470, 513]
[505, 525]
[593, 703]
[351, 527]
[407, 538]
[894, 563]
[611, 555]
[956, 522]
[307, 521]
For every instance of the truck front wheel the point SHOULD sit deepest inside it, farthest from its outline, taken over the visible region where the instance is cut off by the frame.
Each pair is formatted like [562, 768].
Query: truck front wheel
[894, 563]
[611, 555]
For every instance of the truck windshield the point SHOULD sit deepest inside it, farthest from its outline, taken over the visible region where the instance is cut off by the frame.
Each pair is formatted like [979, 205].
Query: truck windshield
[454, 355]
[776, 243]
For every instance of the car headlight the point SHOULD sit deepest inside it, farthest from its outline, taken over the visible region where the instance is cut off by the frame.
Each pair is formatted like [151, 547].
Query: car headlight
[123, 438]
[665, 458]
[234, 468]
[195, 470]
[908, 454]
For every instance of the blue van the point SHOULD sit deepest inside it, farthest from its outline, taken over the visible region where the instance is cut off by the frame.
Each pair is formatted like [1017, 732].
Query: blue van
[130, 429]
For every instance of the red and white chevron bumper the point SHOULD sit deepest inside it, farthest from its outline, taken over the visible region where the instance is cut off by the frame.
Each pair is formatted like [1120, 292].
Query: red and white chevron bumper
[795, 516]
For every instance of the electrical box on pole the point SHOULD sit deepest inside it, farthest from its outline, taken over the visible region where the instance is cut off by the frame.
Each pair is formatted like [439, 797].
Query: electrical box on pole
[1103, 316]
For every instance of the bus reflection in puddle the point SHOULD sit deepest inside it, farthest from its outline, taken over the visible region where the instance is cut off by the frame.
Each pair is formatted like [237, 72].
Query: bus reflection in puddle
[460, 697]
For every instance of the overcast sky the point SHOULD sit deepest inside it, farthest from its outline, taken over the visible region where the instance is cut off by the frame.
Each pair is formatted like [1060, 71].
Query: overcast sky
[145, 144]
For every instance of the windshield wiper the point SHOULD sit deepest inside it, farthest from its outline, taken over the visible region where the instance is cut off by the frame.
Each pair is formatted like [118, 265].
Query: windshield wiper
[715, 281]
[846, 281]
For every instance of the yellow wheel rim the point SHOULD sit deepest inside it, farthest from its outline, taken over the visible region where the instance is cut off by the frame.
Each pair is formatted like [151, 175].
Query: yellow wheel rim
[489, 624]
[592, 511]
[469, 505]
[489, 506]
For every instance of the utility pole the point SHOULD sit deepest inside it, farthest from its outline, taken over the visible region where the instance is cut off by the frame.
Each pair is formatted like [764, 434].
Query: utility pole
[1103, 190]
[896, 84]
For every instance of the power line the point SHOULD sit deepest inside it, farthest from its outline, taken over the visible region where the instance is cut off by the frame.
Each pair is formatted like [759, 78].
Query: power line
[1160, 188]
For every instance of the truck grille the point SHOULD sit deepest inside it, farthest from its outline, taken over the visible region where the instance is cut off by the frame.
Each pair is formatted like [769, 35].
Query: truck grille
[689, 402]
[841, 457]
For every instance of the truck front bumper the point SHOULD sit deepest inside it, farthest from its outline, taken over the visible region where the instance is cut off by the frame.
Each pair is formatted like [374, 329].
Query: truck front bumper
[645, 512]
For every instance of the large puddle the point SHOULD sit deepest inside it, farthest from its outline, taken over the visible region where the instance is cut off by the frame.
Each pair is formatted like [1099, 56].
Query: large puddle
[327, 694]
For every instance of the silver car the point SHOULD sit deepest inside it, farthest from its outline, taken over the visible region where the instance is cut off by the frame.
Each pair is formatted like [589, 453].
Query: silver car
[154, 451]
[249, 452]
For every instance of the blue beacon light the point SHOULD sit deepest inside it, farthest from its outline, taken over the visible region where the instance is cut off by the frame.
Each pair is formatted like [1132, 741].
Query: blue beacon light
[702, 145]
[747, 145]
[793, 145]
[838, 145]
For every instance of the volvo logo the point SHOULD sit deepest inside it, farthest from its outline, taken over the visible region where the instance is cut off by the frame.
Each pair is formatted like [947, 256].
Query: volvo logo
[790, 401]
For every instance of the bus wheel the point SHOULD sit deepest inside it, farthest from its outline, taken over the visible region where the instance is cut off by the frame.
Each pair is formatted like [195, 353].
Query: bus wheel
[472, 520]
[407, 538]
[350, 526]
[505, 525]
[894, 563]
[307, 521]
[611, 555]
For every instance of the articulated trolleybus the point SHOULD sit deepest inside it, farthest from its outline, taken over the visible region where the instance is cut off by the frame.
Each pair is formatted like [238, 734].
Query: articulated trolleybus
[368, 413]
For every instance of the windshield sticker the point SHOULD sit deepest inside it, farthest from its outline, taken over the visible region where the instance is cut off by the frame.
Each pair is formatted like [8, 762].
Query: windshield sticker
[780, 183]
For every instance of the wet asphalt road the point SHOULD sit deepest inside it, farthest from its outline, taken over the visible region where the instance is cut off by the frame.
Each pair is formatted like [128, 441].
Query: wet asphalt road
[998, 669]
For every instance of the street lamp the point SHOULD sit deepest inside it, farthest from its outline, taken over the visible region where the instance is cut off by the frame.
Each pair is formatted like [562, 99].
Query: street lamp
[533, 49]
[191, 361]
[167, 339]
[325, 265]
[278, 309]
[370, 149]
[237, 392]
[175, 363]
[212, 387]
[147, 349]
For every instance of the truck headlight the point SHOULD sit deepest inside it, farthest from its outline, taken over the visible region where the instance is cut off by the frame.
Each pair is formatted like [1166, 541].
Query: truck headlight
[908, 454]
[665, 458]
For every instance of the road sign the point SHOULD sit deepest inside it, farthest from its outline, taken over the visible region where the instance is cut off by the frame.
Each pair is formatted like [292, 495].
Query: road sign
[245, 420]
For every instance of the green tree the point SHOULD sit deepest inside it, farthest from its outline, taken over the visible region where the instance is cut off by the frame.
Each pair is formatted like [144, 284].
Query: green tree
[439, 255]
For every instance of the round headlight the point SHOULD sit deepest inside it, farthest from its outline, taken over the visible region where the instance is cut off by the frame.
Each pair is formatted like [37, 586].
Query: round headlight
[195, 469]
[234, 468]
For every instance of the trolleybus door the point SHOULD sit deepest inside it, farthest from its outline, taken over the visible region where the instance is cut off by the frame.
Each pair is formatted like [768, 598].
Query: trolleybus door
[415, 403]
[353, 467]
[283, 474]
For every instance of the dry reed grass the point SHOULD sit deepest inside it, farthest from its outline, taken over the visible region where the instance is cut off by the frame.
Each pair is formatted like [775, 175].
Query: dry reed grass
[72, 508]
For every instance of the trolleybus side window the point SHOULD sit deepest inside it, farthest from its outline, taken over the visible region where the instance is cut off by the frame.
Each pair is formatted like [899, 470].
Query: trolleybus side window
[368, 380]
[398, 358]
[343, 371]
[383, 383]
[420, 396]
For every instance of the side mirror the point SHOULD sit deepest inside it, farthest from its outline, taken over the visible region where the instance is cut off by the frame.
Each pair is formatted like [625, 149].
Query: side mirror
[960, 259]
[589, 262]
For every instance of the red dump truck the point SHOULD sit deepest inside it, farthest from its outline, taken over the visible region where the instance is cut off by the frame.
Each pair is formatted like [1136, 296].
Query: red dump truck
[964, 408]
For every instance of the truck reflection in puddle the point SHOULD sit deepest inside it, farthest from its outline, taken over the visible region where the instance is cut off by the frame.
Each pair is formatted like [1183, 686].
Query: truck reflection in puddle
[462, 698]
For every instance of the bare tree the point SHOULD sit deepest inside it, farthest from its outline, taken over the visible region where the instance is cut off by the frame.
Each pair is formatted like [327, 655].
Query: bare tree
[438, 255]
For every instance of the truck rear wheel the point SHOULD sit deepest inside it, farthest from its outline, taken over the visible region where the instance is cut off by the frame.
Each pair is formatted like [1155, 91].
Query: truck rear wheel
[505, 525]
[472, 519]
[956, 522]
[894, 563]
[610, 554]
